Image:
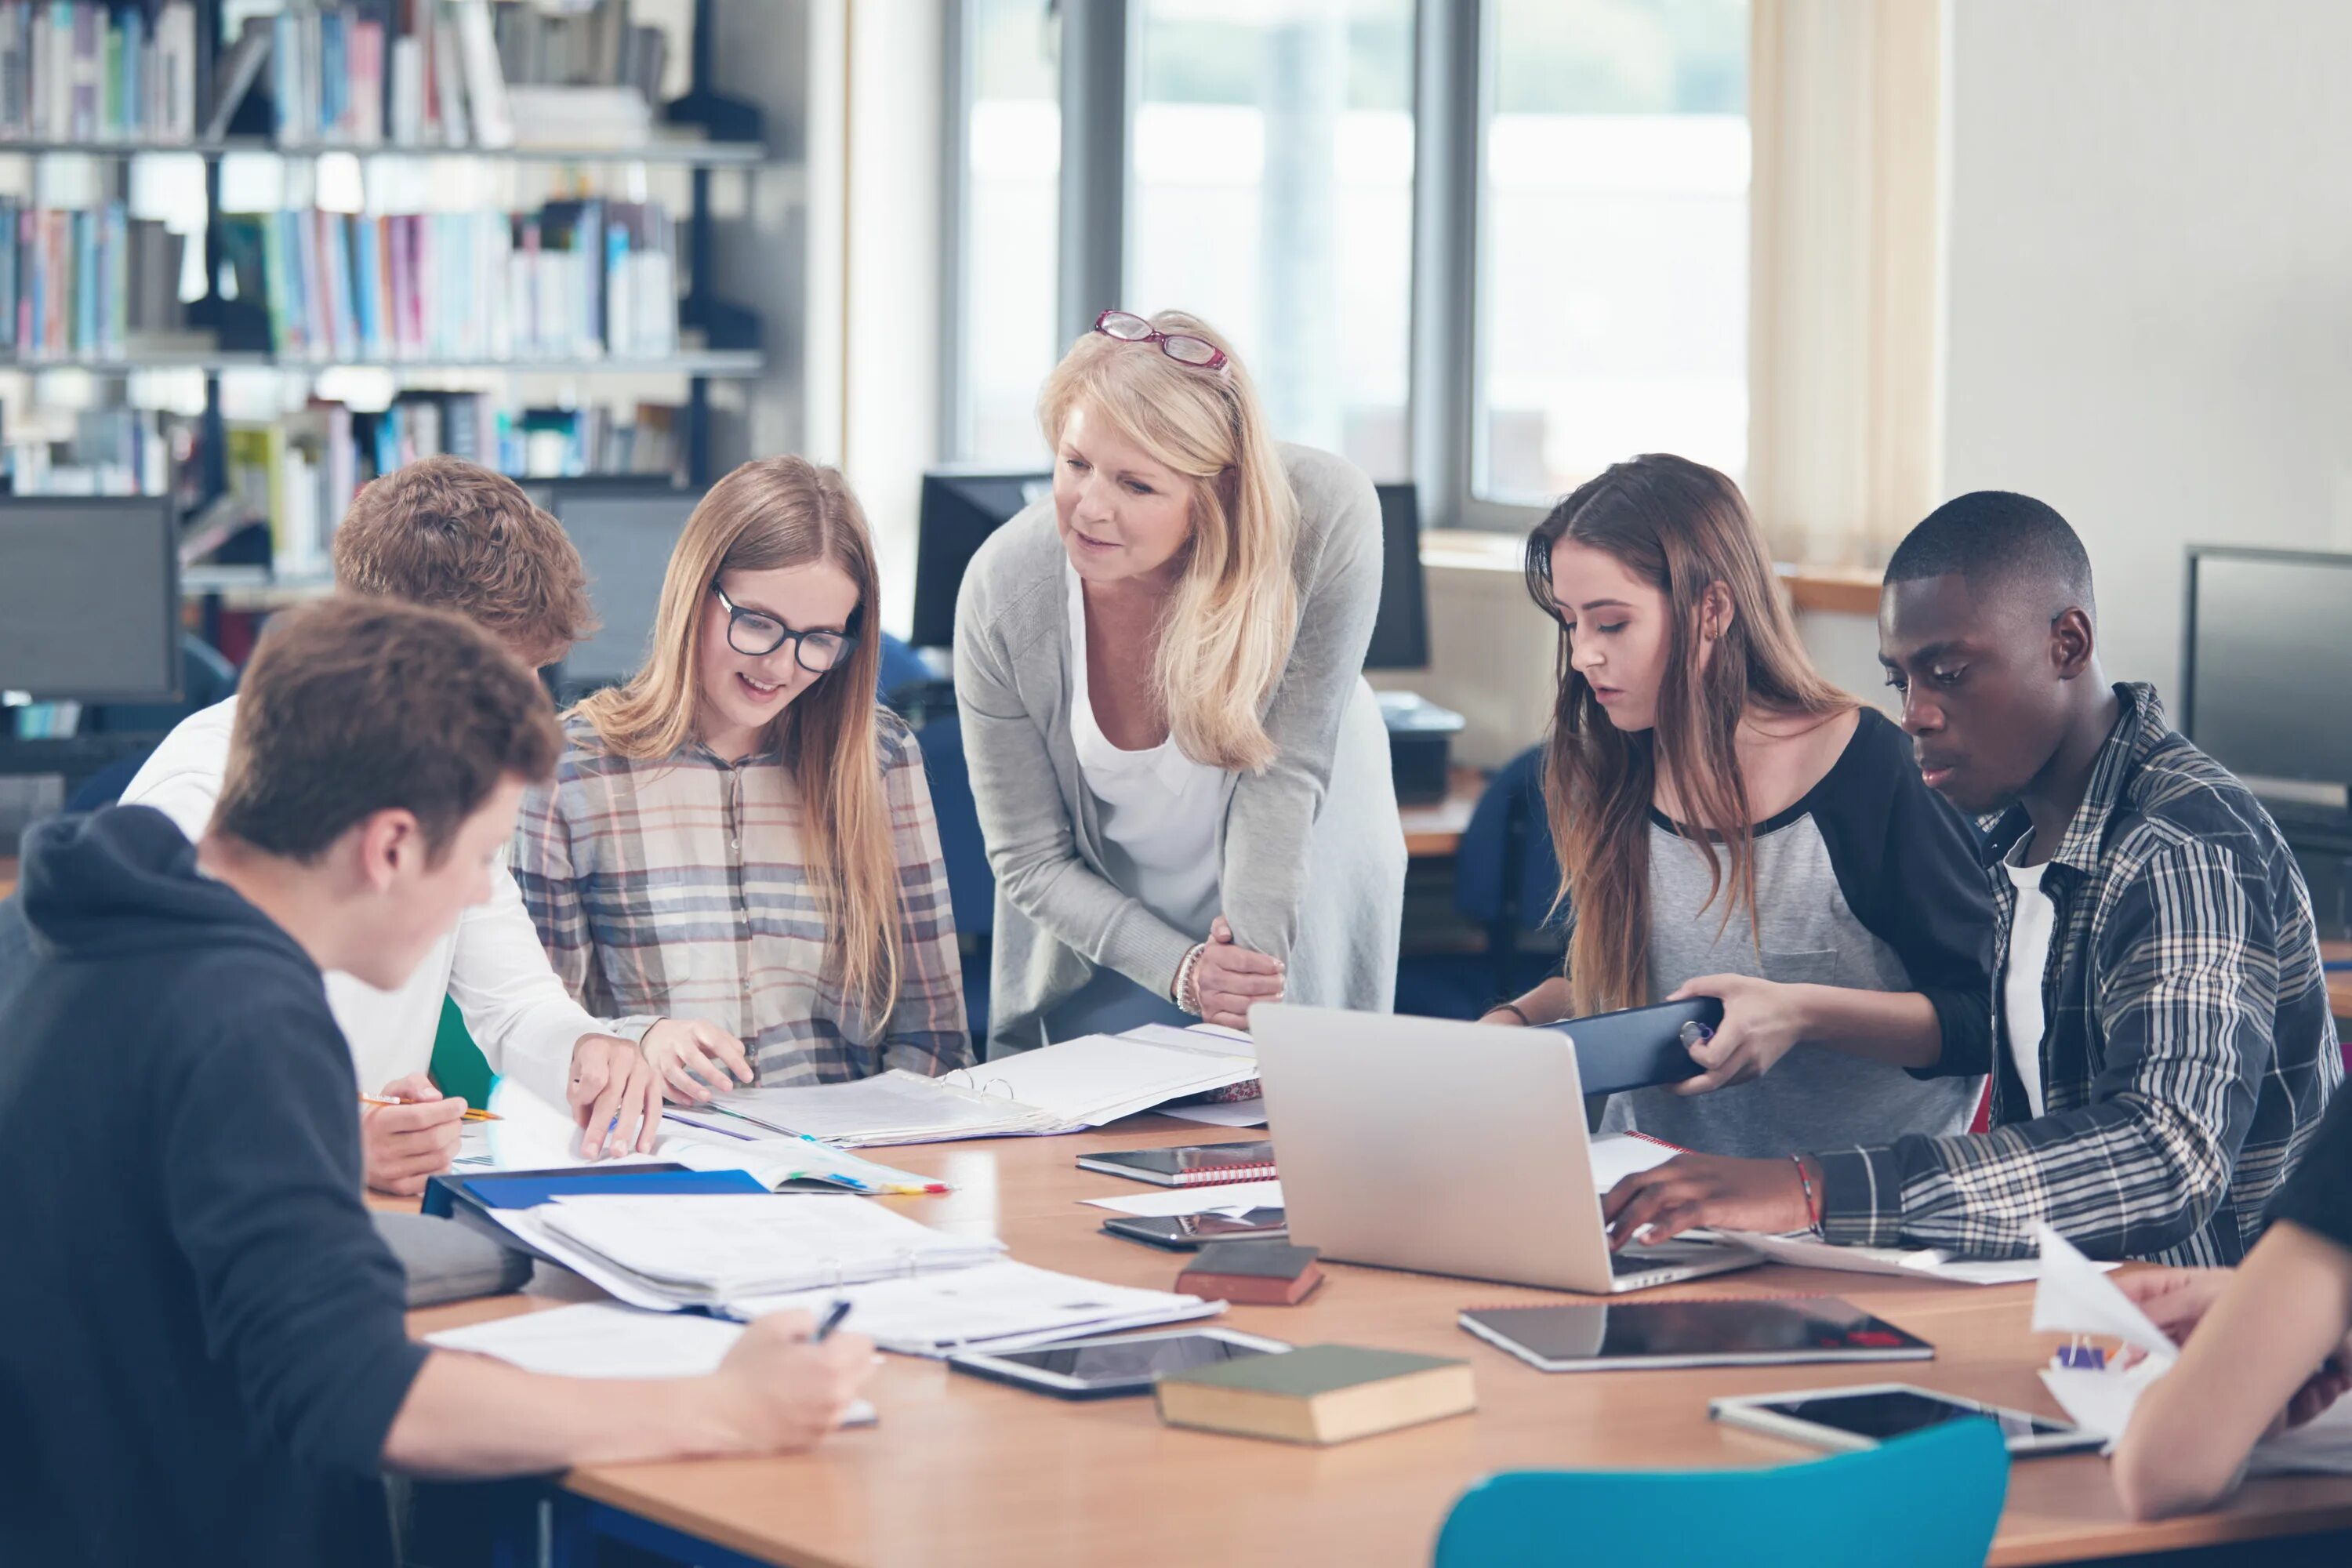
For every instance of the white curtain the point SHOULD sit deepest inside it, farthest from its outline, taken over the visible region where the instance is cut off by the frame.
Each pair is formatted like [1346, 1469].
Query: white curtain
[1846, 304]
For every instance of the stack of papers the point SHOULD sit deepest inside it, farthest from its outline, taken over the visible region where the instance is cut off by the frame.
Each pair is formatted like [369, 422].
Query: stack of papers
[2074, 1299]
[1926, 1263]
[532, 1135]
[1232, 1198]
[597, 1340]
[666, 1253]
[1067, 1088]
[998, 1306]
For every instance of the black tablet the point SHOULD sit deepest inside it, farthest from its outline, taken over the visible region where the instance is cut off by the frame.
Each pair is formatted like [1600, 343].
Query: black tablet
[1606, 1337]
[1641, 1046]
[1105, 1368]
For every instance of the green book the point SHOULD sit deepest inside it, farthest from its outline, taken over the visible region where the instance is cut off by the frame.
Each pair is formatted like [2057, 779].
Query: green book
[1317, 1394]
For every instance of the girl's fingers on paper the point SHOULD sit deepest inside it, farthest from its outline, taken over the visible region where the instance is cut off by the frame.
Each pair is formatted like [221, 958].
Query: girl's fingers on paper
[716, 1042]
[685, 1087]
[649, 1112]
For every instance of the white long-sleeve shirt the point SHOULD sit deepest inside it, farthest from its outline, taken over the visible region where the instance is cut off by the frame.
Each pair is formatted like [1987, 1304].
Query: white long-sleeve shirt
[491, 964]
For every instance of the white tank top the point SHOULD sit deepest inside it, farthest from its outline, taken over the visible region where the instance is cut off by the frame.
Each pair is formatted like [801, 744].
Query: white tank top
[1158, 809]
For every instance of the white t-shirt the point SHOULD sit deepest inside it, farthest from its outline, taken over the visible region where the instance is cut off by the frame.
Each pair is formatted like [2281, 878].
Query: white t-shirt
[492, 963]
[2029, 931]
[1158, 807]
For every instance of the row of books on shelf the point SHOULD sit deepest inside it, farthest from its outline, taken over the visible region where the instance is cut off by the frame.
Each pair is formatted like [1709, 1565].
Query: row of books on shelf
[97, 71]
[298, 473]
[425, 75]
[361, 73]
[301, 472]
[449, 73]
[83, 282]
[585, 279]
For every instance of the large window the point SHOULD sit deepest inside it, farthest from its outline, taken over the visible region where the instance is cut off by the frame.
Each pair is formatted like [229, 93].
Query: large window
[1012, 161]
[1272, 195]
[1611, 292]
[1584, 176]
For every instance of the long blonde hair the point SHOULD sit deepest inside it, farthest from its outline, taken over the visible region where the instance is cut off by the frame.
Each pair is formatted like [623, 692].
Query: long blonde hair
[1682, 528]
[772, 512]
[1226, 632]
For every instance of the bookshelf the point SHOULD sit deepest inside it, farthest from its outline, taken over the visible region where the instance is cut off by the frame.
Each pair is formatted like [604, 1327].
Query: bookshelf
[232, 328]
[685, 151]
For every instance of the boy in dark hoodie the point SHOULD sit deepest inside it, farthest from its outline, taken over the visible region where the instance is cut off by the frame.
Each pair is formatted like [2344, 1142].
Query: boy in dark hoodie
[203, 1353]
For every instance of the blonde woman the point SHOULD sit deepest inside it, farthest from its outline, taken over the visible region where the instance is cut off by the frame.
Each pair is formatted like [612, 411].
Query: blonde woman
[1181, 776]
[737, 836]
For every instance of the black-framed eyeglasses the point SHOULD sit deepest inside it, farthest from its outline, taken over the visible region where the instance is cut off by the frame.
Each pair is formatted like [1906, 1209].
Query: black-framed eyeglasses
[756, 634]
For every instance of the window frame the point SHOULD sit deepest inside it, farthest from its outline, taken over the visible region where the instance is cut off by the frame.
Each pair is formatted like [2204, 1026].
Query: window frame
[1453, 75]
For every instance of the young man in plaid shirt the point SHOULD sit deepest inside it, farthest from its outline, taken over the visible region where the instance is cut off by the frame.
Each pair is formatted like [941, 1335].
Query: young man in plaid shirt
[2162, 1044]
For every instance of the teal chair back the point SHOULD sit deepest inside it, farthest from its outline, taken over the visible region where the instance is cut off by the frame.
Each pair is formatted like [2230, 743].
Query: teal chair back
[1930, 1500]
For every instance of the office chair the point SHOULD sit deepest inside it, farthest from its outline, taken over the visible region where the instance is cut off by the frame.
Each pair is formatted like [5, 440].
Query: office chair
[1928, 1500]
[971, 885]
[1505, 875]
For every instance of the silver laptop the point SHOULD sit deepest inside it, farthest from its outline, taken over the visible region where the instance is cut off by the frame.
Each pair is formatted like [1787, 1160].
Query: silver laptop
[1447, 1148]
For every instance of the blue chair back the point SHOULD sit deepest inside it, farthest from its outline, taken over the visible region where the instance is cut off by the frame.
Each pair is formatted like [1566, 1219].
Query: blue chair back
[902, 669]
[1505, 869]
[971, 885]
[1930, 1500]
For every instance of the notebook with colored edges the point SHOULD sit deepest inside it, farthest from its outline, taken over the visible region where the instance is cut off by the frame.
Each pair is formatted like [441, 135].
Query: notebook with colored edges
[1767, 1332]
[1188, 1165]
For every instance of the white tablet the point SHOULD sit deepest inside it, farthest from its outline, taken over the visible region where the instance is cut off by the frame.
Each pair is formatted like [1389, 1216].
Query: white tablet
[1869, 1414]
[1104, 1368]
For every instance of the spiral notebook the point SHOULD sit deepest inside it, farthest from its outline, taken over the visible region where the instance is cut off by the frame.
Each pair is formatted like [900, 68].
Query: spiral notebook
[1192, 1165]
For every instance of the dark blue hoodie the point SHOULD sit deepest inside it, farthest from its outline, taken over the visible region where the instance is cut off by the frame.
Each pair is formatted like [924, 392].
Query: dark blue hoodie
[202, 1342]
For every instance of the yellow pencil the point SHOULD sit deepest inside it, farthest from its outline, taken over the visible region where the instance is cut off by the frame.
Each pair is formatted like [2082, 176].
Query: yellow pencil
[473, 1113]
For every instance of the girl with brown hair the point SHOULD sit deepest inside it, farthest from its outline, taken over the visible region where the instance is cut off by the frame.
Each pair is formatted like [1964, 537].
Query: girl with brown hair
[1730, 825]
[737, 836]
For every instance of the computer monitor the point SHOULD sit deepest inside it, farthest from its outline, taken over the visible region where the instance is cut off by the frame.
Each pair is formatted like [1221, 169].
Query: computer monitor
[961, 508]
[1400, 634]
[625, 533]
[89, 599]
[2268, 645]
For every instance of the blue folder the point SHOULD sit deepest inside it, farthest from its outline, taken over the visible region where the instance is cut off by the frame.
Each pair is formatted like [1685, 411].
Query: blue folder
[527, 1189]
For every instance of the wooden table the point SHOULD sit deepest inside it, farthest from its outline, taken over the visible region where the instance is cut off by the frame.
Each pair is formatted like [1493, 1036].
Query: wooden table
[2339, 981]
[8, 875]
[967, 1471]
[1434, 829]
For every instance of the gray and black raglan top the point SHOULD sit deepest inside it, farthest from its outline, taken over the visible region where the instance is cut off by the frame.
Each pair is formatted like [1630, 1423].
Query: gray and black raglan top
[1870, 880]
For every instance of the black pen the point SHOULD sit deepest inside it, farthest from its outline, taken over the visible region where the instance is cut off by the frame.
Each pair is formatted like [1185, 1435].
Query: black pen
[839, 1310]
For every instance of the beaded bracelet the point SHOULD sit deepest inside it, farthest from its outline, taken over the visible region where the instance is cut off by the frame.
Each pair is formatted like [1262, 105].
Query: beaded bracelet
[1184, 993]
[1812, 1209]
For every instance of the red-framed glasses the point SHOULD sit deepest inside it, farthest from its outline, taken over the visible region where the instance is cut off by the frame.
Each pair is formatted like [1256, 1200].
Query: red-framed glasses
[1182, 347]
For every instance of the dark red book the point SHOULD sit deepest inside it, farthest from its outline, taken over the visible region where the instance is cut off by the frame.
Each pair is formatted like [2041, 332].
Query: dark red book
[1254, 1273]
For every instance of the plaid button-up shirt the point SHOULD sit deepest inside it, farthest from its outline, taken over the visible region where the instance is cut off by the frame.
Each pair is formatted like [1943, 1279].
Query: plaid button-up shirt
[677, 888]
[2188, 1051]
